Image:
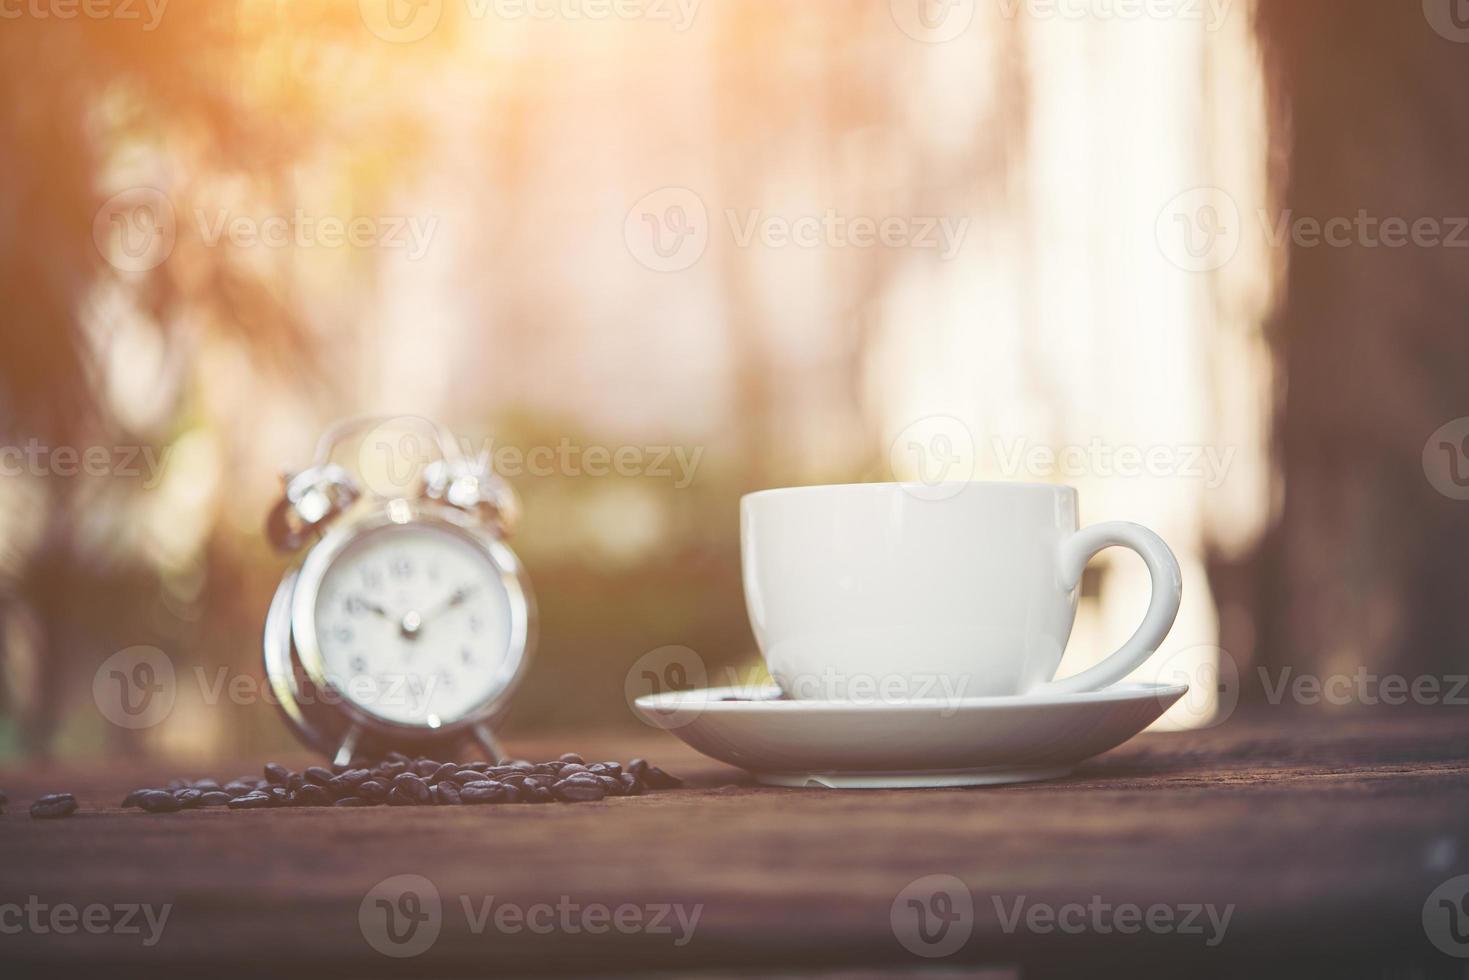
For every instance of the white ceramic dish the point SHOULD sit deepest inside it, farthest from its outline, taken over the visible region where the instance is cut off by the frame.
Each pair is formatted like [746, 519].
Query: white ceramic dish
[962, 742]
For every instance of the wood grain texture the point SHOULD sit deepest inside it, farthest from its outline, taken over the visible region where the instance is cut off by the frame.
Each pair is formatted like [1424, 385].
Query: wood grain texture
[1327, 834]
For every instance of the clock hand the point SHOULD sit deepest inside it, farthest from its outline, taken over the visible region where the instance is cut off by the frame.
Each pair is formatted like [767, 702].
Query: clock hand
[412, 622]
[456, 598]
[369, 605]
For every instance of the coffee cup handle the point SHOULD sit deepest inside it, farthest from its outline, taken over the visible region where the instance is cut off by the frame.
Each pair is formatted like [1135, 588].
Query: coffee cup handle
[1079, 549]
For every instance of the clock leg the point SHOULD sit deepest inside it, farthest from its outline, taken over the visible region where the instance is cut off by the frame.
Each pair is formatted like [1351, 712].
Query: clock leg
[489, 743]
[348, 748]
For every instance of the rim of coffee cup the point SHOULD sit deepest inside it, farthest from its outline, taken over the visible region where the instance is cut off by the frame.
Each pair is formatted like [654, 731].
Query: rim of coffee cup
[896, 485]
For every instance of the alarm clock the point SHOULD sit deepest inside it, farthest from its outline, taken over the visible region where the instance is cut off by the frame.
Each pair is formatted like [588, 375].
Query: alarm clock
[406, 621]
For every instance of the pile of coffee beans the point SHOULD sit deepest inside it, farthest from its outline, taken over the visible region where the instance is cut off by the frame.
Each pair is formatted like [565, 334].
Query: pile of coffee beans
[398, 780]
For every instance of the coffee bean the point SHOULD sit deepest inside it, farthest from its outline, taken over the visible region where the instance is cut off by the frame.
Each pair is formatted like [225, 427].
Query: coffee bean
[277, 774]
[396, 797]
[317, 775]
[132, 798]
[631, 785]
[537, 794]
[656, 778]
[215, 798]
[572, 757]
[637, 767]
[444, 769]
[486, 791]
[352, 801]
[373, 790]
[207, 786]
[277, 794]
[446, 794]
[576, 792]
[188, 799]
[239, 788]
[174, 784]
[54, 805]
[251, 801]
[411, 786]
[425, 767]
[158, 801]
[312, 794]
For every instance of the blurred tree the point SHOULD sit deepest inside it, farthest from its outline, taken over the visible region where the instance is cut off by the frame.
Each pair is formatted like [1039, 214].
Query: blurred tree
[86, 97]
[1362, 567]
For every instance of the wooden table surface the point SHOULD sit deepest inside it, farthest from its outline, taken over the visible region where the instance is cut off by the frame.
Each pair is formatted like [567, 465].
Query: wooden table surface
[1326, 833]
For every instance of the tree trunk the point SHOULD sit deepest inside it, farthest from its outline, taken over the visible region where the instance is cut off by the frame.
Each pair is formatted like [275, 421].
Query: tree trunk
[1364, 566]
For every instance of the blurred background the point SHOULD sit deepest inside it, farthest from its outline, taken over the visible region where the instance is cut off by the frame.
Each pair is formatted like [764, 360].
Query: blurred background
[1203, 259]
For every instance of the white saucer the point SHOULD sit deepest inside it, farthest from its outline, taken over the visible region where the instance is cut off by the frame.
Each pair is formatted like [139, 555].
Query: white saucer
[962, 742]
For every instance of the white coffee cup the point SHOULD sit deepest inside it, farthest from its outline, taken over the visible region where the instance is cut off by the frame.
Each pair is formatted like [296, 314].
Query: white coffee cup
[870, 591]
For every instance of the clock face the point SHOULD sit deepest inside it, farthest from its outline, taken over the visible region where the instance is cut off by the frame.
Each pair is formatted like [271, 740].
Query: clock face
[414, 625]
